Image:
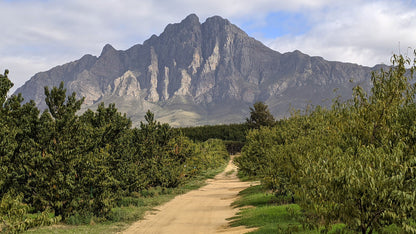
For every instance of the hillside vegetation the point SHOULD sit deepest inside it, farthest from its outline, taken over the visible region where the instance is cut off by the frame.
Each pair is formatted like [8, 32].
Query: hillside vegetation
[57, 165]
[352, 164]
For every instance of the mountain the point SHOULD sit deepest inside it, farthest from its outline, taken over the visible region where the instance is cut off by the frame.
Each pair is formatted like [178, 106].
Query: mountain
[197, 74]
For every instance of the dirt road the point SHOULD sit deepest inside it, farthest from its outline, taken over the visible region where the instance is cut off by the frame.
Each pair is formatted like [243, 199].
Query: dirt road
[200, 211]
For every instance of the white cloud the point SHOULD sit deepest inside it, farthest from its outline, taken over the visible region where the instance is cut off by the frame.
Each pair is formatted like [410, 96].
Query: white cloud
[367, 33]
[24, 67]
[38, 35]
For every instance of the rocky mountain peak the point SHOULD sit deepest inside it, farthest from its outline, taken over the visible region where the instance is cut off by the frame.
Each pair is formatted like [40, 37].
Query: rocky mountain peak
[190, 20]
[107, 49]
[220, 25]
[193, 74]
[218, 21]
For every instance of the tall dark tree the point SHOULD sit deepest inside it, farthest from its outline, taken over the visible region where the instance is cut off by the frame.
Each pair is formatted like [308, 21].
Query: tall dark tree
[260, 116]
[5, 86]
[19, 125]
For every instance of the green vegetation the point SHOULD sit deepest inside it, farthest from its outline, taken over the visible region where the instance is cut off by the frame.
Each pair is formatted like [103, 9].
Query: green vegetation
[58, 165]
[260, 116]
[351, 166]
[266, 212]
[130, 209]
[230, 132]
[234, 135]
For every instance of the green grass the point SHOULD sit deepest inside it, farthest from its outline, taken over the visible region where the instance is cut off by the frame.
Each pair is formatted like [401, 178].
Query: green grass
[269, 218]
[265, 212]
[268, 213]
[81, 229]
[130, 209]
[243, 177]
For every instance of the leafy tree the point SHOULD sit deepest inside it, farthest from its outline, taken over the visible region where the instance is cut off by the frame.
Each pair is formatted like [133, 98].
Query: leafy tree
[260, 116]
[14, 215]
[20, 144]
[81, 165]
[108, 123]
[75, 175]
[18, 130]
[354, 163]
[5, 86]
[61, 107]
[19, 125]
[227, 132]
[156, 140]
[234, 135]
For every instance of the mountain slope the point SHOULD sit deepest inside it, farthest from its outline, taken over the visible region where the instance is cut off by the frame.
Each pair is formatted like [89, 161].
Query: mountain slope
[195, 74]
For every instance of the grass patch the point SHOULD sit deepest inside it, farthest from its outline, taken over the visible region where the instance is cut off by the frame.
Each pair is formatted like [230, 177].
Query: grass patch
[269, 219]
[255, 196]
[106, 227]
[262, 209]
[130, 209]
[243, 177]
[265, 212]
[270, 213]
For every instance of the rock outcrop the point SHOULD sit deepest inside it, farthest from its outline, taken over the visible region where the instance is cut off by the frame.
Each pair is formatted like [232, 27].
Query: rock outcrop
[195, 74]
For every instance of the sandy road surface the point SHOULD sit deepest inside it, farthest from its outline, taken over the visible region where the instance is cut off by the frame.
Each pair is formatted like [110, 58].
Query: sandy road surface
[200, 211]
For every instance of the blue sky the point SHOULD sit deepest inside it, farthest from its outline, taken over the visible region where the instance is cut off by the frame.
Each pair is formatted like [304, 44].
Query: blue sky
[40, 34]
[277, 24]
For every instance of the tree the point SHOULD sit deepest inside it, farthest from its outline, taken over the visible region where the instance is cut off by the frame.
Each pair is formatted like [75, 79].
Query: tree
[260, 116]
[354, 163]
[5, 86]
[81, 165]
[74, 170]
[19, 125]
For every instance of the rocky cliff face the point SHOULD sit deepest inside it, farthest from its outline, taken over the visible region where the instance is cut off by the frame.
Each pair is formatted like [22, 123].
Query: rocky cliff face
[195, 74]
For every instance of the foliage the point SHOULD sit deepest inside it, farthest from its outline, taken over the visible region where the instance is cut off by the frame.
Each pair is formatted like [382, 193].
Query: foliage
[80, 166]
[352, 164]
[14, 215]
[5, 86]
[234, 147]
[260, 116]
[130, 208]
[227, 132]
[265, 212]
[234, 135]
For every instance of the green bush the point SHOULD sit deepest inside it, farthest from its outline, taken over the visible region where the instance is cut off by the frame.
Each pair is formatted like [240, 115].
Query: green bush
[230, 132]
[81, 167]
[352, 164]
[14, 216]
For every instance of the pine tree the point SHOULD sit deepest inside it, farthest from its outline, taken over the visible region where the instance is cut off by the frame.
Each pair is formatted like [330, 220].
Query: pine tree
[260, 116]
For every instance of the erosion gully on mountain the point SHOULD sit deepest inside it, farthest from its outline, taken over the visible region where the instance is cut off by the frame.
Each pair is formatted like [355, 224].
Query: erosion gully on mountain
[200, 211]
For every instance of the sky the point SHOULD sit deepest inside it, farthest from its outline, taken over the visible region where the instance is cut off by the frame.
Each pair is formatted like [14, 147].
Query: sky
[37, 35]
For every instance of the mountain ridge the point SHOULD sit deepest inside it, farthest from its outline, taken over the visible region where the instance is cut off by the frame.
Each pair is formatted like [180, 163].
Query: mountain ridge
[200, 73]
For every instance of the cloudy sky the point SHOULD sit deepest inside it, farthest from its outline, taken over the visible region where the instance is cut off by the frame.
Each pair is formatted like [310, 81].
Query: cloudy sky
[37, 35]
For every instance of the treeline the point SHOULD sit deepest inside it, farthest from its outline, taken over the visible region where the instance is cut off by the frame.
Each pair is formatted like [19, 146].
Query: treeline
[354, 163]
[69, 165]
[227, 132]
[233, 135]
